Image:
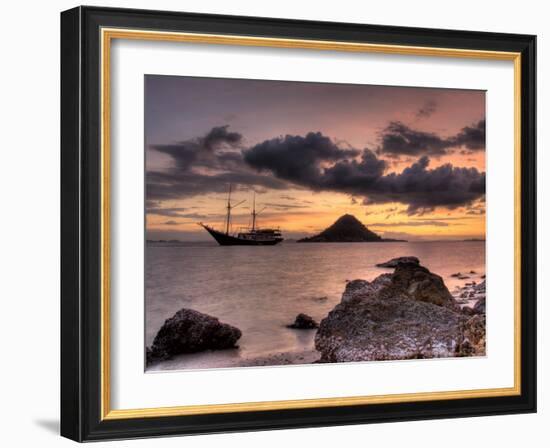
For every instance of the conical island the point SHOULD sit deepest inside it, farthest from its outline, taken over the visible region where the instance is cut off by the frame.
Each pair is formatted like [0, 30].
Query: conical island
[346, 229]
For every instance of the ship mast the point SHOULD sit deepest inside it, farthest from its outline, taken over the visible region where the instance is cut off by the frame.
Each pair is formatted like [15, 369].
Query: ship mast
[228, 211]
[254, 213]
[229, 207]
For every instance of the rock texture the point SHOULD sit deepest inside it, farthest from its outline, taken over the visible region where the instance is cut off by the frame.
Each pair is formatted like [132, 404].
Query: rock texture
[479, 307]
[421, 284]
[395, 261]
[346, 229]
[404, 315]
[190, 331]
[473, 295]
[303, 322]
[474, 336]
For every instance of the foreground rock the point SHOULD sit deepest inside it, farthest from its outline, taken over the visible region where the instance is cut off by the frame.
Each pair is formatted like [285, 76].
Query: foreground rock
[479, 307]
[474, 336]
[395, 261]
[409, 314]
[388, 329]
[189, 331]
[303, 322]
[409, 281]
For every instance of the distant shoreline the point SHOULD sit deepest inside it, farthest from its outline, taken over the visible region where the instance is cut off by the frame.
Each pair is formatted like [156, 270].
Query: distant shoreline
[292, 241]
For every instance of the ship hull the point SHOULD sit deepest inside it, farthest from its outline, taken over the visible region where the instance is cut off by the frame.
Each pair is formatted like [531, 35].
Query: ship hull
[229, 240]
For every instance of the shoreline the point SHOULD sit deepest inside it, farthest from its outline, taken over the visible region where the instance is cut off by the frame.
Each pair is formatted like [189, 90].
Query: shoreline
[449, 309]
[194, 361]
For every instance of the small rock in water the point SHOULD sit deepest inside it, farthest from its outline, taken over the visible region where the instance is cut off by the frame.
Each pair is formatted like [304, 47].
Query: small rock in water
[456, 274]
[303, 322]
[320, 299]
[472, 272]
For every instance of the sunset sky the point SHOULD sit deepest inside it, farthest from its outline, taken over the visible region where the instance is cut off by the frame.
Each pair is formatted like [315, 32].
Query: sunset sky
[407, 162]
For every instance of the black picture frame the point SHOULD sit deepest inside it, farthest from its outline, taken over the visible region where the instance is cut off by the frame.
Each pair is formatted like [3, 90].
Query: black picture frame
[81, 382]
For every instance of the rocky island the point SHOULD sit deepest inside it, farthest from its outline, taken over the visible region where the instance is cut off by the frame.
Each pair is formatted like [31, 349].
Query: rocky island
[346, 229]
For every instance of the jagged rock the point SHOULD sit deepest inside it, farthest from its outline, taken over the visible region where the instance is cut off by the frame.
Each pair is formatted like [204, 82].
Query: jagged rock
[479, 307]
[480, 288]
[421, 284]
[190, 331]
[372, 329]
[303, 322]
[409, 280]
[404, 315]
[395, 261]
[358, 288]
[474, 337]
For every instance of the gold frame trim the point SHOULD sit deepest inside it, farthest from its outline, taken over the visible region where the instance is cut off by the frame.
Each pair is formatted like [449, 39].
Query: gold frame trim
[107, 35]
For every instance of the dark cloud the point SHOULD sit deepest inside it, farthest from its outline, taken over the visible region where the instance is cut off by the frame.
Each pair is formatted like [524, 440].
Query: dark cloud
[295, 158]
[427, 109]
[476, 212]
[443, 218]
[353, 176]
[436, 223]
[203, 151]
[199, 216]
[171, 212]
[204, 165]
[220, 135]
[423, 189]
[208, 164]
[174, 185]
[398, 140]
[472, 137]
[170, 223]
[283, 206]
[476, 209]
[333, 169]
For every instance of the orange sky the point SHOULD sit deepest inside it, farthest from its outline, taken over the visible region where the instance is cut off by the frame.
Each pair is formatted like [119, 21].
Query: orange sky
[181, 112]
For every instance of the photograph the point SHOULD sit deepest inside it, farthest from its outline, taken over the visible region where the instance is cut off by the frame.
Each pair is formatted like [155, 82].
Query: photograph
[272, 223]
[292, 223]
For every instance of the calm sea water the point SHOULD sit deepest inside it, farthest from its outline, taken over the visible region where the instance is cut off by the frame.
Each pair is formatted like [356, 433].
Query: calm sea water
[261, 289]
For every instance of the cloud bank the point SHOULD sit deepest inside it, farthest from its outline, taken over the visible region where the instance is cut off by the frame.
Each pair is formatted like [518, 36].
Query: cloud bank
[314, 161]
[398, 139]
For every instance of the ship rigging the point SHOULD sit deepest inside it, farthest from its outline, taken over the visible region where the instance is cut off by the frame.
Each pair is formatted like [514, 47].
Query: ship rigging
[254, 236]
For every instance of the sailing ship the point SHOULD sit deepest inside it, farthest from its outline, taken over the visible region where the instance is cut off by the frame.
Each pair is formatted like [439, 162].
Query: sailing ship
[253, 236]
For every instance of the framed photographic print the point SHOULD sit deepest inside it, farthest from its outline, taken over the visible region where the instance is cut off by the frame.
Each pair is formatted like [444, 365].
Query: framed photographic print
[276, 224]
